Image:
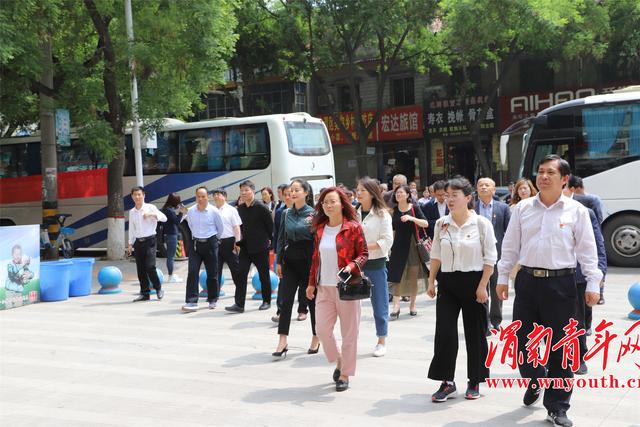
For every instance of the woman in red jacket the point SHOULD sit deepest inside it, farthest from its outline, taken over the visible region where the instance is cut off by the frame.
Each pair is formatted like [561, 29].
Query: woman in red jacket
[339, 244]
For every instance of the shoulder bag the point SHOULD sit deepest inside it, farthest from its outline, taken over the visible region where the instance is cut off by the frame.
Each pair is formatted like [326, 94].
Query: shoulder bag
[423, 244]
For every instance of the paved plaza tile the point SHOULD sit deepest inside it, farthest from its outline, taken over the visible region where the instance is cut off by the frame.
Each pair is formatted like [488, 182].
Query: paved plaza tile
[102, 360]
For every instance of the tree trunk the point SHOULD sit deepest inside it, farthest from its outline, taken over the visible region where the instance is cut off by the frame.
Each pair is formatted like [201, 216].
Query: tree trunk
[48, 148]
[361, 155]
[485, 169]
[115, 202]
[115, 206]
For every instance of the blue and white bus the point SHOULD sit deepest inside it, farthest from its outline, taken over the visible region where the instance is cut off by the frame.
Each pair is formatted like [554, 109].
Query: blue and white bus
[269, 150]
[600, 137]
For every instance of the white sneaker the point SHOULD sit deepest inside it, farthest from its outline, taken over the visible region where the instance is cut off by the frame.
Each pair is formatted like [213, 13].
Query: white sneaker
[175, 279]
[380, 350]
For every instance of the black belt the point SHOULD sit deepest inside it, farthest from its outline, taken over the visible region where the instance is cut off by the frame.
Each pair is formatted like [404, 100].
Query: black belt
[195, 239]
[541, 272]
[144, 239]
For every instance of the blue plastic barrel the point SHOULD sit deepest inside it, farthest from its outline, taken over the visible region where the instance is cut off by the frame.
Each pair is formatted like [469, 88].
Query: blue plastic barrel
[54, 280]
[81, 276]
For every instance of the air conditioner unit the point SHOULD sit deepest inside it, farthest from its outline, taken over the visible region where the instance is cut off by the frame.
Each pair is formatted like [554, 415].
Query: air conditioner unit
[434, 92]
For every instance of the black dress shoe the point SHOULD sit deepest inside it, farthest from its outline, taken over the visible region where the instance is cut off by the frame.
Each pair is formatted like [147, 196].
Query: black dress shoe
[336, 375]
[234, 309]
[160, 293]
[279, 354]
[264, 306]
[142, 297]
[531, 396]
[342, 385]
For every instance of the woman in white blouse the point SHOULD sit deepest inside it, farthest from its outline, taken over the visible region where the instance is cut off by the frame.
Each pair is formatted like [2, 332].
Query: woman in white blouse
[376, 223]
[464, 252]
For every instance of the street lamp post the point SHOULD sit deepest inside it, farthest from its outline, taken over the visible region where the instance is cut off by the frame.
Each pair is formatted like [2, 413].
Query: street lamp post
[134, 95]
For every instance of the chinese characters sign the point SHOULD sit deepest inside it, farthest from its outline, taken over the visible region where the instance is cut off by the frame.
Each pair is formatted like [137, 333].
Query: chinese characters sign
[448, 117]
[394, 124]
[63, 127]
[540, 343]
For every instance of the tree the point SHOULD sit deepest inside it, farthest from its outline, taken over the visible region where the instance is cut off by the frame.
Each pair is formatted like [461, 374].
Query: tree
[487, 32]
[327, 35]
[181, 50]
[623, 52]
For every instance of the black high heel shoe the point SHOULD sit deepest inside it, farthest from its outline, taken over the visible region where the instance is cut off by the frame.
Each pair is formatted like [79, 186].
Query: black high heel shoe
[394, 315]
[314, 350]
[280, 354]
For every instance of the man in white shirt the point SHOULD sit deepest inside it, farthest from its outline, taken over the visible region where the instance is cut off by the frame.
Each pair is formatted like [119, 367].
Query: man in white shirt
[143, 219]
[547, 235]
[231, 233]
[206, 226]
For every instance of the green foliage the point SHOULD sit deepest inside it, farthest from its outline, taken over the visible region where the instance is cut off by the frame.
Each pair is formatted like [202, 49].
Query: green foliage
[181, 50]
[477, 32]
[624, 46]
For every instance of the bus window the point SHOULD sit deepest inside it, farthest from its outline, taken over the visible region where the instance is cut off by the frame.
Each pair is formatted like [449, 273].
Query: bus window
[544, 148]
[77, 157]
[247, 147]
[307, 139]
[163, 159]
[610, 137]
[200, 150]
[19, 160]
[9, 161]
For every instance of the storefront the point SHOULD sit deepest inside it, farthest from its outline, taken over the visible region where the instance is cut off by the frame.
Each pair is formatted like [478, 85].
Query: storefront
[396, 145]
[450, 147]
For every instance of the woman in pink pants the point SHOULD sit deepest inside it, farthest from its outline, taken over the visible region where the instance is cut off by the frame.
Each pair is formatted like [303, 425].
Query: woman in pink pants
[339, 244]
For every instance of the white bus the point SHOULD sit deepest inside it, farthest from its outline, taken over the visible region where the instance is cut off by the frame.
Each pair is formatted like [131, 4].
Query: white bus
[600, 137]
[268, 150]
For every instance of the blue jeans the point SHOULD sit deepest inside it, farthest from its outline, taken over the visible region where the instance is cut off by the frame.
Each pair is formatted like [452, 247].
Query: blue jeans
[171, 241]
[379, 299]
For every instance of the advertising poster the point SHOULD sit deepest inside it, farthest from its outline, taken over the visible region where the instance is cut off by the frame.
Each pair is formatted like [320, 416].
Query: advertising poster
[19, 266]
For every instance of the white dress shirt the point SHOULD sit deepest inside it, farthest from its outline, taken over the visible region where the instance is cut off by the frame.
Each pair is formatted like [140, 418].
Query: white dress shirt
[442, 208]
[204, 223]
[466, 248]
[553, 238]
[230, 219]
[140, 227]
[377, 229]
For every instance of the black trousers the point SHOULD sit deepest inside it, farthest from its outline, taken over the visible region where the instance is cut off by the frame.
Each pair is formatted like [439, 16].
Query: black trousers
[295, 276]
[303, 302]
[582, 310]
[145, 254]
[456, 292]
[495, 306]
[261, 261]
[207, 253]
[550, 302]
[226, 254]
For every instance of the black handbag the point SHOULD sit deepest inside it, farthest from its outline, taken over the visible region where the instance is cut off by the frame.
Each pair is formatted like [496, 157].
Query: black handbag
[423, 244]
[354, 288]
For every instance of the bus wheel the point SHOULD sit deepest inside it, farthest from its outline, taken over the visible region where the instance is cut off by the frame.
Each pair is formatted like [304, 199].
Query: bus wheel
[622, 240]
[67, 248]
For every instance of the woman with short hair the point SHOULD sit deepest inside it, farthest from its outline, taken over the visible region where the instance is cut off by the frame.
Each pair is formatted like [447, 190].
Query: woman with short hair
[462, 259]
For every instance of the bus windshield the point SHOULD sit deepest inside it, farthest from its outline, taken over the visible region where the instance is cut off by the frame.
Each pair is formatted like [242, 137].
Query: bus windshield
[307, 139]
